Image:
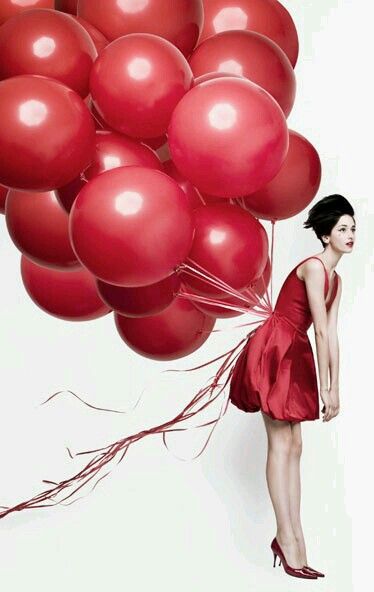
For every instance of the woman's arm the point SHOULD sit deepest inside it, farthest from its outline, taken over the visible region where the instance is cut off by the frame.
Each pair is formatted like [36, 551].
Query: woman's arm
[332, 323]
[314, 277]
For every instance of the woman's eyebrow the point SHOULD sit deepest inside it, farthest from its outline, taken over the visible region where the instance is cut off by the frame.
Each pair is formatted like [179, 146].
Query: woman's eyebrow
[341, 225]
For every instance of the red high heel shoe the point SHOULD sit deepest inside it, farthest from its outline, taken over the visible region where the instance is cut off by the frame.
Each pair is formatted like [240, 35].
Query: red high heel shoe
[292, 571]
[308, 569]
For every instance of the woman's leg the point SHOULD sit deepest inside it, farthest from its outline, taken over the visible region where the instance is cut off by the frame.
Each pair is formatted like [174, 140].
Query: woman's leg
[295, 488]
[277, 475]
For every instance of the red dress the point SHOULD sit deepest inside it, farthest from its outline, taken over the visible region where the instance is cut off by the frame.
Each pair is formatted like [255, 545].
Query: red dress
[275, 371]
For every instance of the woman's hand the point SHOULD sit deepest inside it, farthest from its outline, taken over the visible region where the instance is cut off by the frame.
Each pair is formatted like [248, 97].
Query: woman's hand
[331, 402]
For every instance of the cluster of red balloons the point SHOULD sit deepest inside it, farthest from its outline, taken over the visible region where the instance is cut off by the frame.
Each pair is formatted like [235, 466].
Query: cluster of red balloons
[129, 131]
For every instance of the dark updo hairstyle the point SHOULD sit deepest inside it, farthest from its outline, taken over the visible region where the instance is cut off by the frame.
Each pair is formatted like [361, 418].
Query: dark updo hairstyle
[325, 214]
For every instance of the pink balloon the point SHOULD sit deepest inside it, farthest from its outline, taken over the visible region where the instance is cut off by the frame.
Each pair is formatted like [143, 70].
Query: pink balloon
[137, 81]
[97, 37]
[142, 301]
[47, 136]
[176, 332]
[251, 55]
[9, 8]
[194, 198]
[228, 244]
[39, 227]
[48, 43]
[69, 295]
[228, 137]
[268, 17]
[131, 226]
[293, 188]
[3, 194]
[178, 21]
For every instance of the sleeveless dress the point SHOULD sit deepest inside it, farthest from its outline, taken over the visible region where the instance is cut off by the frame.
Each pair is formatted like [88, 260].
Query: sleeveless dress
[275, 371]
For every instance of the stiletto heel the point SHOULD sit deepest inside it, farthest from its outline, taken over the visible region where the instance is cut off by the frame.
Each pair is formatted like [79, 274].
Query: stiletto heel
[291, 571]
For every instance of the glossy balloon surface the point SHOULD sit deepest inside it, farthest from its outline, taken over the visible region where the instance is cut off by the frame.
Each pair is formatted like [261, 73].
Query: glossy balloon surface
[228, 137]
[131, 226]
[295, 185]
[39, 227]
[178, 21]
[9, 8]
[68, 295]
[248, 54]
[176, 332]
[47, 136]
[268, 17]
[137, 81]
[48, 43]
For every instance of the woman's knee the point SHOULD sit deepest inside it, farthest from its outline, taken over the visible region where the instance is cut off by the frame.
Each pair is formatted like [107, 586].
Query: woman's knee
[297, 443]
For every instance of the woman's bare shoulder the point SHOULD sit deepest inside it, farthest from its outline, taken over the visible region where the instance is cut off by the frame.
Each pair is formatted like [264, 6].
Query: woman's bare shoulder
[310, 265]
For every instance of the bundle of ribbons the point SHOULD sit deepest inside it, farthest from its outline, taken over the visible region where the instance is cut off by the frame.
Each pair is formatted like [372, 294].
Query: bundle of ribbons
[59, 493]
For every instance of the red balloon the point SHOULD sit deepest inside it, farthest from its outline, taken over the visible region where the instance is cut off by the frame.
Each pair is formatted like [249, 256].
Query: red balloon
[268, 17]
[137, 81]
[131, 226]
[67, 194]
[178, 21]
[3, 194]
[293, 188]
[213, 76]
[47, 136]
[228, 244]
[112, 150]
[194, 198]
[69, 295]
[39, 227]
[48, 43]
[142, 301]
[228, 137]
[174, 333]
[97, 37]
[9, 8]
[251, 55]
[69, 6]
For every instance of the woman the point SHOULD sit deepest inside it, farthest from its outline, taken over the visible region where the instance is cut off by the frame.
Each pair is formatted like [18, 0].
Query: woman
[275, 373]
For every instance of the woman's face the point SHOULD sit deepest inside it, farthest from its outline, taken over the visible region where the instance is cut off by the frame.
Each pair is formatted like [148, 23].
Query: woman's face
[342, 236]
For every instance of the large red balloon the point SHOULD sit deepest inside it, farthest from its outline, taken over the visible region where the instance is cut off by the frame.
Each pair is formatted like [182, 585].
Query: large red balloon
[99, 40]
[112, 150]
[176, 332]
[194, 198]
[47, 136]
[251, 55]
[293, 188]
[228, 137]
[228, 244]
[142, 301]
[69, 6]
[39, 227]
[3, 194]
[48, 43]
[131, 226]
[9, 8]
[69, 295]
[178, 21]
[137, 81]
[268, 17]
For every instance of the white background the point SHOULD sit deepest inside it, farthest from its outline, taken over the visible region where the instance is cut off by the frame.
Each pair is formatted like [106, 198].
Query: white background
[157, 522]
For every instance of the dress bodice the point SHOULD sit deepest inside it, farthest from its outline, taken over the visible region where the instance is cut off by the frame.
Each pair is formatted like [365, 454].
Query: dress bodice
[292, 301]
